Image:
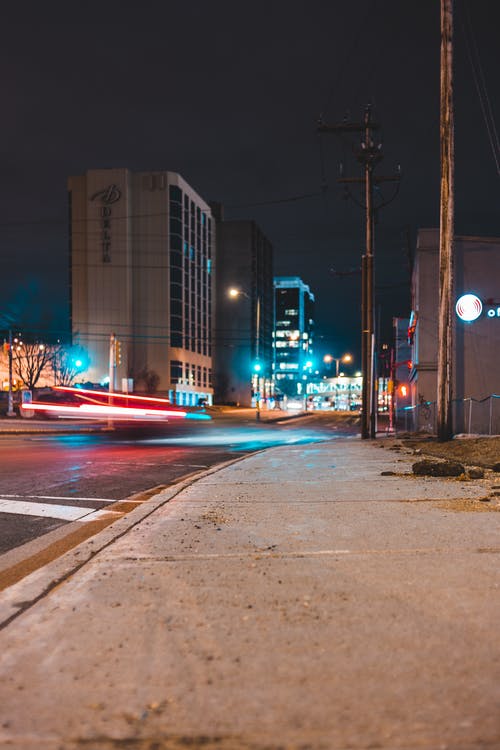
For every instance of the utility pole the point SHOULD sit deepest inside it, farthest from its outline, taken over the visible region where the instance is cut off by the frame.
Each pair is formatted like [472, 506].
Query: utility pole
[112, 363]
[446, 231]
[112, 369]
[369, 154]
[10, 399]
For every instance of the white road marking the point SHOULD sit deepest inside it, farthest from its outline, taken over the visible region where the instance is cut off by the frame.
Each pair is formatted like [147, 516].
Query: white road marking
[60, 497]
[46, 510]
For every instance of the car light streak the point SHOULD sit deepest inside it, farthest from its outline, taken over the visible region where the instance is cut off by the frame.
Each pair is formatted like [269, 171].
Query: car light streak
[86, 392]
[86, 411]
[102, 404]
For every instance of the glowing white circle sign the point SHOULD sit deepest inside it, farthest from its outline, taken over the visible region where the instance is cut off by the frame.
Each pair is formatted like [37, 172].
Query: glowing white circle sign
[469, 307]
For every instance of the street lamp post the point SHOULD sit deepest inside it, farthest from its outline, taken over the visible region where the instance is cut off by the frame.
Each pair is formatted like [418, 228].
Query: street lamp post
[345, 358]
[234, 293]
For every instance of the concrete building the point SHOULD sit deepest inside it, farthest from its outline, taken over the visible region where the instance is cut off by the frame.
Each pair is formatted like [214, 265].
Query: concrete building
[244, 322]
[476, 333]
[400, 371]
[293, 335]
[141, 250]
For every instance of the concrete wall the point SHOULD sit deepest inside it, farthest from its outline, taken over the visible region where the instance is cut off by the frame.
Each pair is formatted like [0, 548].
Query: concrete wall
[476, 344]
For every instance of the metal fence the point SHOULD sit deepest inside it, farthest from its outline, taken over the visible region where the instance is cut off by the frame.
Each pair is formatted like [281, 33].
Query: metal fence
[471, 416]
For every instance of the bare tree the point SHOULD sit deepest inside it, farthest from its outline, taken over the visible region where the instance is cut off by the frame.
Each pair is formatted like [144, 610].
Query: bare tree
[29, 361]
[150, 378]
[67, 362]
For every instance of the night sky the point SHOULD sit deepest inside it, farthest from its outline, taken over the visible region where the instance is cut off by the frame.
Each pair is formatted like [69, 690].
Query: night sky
[229, 94]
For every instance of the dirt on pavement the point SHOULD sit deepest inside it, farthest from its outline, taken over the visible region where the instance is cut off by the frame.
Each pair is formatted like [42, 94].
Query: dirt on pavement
[473, 451]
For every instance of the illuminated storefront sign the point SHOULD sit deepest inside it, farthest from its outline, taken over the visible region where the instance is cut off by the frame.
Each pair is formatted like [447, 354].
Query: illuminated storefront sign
[106, 197]
[469, 308]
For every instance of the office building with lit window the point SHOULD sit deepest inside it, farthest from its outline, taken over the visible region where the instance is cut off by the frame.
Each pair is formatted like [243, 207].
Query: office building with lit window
[244, 322]
[141, 253]
[293, 335]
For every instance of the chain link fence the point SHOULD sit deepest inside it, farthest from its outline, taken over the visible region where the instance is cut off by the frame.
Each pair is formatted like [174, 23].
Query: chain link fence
[470, 416]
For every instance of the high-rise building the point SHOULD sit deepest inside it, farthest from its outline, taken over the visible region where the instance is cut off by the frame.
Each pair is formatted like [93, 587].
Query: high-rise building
[141, 252]
[293, 334]
[244, 321]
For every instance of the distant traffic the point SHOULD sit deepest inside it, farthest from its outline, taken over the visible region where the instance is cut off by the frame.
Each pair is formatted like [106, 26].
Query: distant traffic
[83, 403]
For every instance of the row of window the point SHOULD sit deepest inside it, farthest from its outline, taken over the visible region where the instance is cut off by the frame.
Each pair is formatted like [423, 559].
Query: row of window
[190, 269]
[184, 373]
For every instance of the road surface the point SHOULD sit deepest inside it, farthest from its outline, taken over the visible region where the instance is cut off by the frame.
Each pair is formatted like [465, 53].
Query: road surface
[48, 480]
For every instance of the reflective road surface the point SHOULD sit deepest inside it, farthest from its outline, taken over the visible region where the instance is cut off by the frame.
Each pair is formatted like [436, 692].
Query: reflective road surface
[48, 480]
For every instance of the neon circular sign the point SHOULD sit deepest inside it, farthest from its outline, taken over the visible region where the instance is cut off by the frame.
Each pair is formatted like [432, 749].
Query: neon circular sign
[469, 307]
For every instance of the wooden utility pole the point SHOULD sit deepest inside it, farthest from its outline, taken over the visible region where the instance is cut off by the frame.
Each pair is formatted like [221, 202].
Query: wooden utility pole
[369, 154]
[445, 338]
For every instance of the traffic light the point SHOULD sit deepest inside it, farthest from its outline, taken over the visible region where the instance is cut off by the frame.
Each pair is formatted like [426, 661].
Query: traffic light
[6, 347]
[118, 352]
[257, 367]
[403, 390]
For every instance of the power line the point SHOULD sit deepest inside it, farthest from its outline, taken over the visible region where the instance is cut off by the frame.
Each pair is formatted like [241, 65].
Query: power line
[481, 88]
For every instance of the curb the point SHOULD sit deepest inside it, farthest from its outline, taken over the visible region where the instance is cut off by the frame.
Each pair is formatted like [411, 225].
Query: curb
[20, 596]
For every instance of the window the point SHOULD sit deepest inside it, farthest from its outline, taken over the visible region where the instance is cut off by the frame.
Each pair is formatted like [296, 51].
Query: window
[176, 276]
[175, 291]
[176, 307]
[175, 371]
[175, 226]
[175, 259]
[176, 210]
[175, 193]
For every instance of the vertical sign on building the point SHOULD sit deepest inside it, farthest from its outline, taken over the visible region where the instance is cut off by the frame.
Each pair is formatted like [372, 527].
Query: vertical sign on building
[106, 198]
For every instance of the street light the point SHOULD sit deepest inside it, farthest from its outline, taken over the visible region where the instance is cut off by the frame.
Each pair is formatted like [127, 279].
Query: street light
[345, 358]
[234, 293]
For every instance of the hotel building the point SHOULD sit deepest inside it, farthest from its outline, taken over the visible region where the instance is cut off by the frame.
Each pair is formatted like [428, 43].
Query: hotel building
[141, 253]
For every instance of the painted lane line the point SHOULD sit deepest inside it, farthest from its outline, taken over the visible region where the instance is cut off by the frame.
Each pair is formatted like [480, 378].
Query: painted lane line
[45, 510]
[61, 497]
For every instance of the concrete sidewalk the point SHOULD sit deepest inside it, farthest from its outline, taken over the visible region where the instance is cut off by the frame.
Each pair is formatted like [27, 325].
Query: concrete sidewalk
[294, 599]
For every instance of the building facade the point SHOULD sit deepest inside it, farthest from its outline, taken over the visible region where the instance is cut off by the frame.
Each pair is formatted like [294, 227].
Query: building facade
[340, 394]
[293, 335]
[141, 254]
[244, 321]
[476, 333]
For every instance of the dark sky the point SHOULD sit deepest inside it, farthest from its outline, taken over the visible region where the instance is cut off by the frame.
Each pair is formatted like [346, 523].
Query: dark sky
[229, 95]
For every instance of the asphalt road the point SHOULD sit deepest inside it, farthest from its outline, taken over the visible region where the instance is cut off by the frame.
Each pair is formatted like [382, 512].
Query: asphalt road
[48, 480]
